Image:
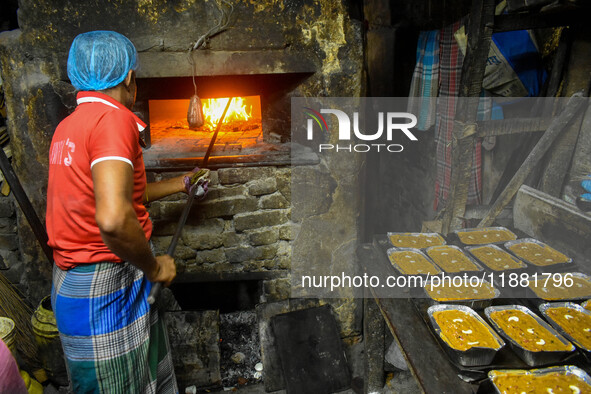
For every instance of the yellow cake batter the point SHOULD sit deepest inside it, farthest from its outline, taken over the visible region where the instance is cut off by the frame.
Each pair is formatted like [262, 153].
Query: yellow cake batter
[447, 292]
[496, 259]
[554, 383]
[451, 259]
[540, 255]
[527, 332]
[416, 240]
[575, 323]
[485, 236]
[412, 263]
[462, 331]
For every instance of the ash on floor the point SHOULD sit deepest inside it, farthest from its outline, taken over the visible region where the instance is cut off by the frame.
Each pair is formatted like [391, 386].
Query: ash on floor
[239, 348]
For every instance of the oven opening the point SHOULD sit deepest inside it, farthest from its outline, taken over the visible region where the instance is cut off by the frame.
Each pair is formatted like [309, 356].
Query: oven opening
[241, 132]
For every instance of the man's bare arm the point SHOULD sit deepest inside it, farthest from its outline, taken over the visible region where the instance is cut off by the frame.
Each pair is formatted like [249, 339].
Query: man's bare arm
[158, 190]
[116, 218]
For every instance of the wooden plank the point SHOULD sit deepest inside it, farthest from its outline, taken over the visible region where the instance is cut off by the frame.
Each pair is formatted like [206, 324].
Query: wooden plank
[559, 159]
[556, 222]
[490, 128]
[581, 163]
[373, 338]
[479, 33]
[426, 360]
[523, 149]
[538, 20]
[558, 64]
[574, 105]
[25, 205]
[578, 78]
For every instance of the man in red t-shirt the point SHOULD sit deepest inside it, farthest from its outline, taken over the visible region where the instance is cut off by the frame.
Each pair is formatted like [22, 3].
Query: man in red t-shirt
[99, 229]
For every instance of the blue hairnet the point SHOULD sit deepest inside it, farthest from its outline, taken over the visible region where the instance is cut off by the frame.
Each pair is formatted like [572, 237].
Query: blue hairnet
[100, 60]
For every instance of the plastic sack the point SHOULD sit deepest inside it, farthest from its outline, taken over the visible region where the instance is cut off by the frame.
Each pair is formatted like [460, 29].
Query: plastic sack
[100, 60]
[195, 113]
[514, 67]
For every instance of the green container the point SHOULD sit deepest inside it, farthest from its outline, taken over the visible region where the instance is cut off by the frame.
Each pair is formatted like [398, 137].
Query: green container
[8, 333]
[48, 341]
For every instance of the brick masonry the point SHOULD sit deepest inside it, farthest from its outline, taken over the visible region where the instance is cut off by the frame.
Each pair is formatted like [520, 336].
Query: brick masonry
[242, 225]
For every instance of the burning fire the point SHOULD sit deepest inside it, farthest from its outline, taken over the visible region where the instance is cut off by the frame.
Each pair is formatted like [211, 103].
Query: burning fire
[214, 108]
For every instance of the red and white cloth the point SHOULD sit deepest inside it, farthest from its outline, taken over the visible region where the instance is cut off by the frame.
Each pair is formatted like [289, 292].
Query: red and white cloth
[450, 70]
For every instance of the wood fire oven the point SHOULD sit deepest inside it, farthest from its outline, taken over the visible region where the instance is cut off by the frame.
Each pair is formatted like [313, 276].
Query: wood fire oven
[255, 131]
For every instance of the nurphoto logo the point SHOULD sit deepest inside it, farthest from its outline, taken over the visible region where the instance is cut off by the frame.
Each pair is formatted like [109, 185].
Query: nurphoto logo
[390, 122]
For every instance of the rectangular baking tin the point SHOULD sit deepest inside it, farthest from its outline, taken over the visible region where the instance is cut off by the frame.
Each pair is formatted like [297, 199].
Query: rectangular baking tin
[415, 234]
[535, 241]
[558, 327]
[531, 358]
[467, 230]
[575, 275]
[494, 246]
[563, 369]
[471, 303]
[471, 357]
[391, 250]
[469, 257]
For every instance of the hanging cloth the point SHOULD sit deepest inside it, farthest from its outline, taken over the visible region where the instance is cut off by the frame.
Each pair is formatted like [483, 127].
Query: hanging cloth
[425, 79]
[450, 70]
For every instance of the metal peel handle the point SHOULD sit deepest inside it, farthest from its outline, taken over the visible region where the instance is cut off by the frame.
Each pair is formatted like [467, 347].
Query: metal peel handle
[198, 191]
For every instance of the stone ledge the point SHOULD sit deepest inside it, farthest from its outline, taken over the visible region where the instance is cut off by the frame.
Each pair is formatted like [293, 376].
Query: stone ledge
[224, 207]
[241, 254]
[248, 221]
[263, 237]
[262, 186]
[242, 175]
[273, 201]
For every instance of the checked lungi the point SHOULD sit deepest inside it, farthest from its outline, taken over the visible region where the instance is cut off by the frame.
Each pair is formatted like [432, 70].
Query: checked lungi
[113, 341]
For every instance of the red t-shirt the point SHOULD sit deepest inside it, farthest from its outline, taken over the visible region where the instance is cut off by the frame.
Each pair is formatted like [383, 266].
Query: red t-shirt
[99, 129]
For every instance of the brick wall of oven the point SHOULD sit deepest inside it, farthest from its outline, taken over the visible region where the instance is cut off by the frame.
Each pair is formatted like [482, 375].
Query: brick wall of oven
[243, 225]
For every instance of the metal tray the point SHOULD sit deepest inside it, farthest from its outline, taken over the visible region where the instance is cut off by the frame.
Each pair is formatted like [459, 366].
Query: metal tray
[566, 264]
[476, 304]
[418, 251]
[558, 327]
[467, 230]
[471, 357]
[470, 258]
[443, 241]
[563, 369]
[575, 275]
[531, 358]
[493, 246]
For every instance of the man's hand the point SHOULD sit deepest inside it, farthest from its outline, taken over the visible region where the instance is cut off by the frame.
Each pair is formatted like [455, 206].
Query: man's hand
[197, 177]
[165, 270]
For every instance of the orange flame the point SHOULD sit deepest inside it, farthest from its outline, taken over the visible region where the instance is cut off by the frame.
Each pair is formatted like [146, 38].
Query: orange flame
[214, 108]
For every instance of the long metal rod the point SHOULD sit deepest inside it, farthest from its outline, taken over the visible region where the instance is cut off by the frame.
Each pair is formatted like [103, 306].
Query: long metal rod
[215, 134]
[25, 205]
[157, 287]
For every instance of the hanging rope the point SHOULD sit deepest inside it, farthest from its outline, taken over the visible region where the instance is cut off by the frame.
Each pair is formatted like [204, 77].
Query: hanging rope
[195, 112]
[225, 15]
